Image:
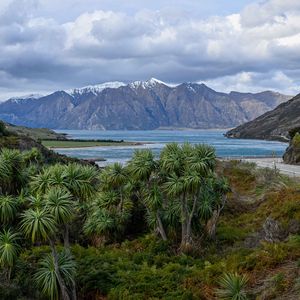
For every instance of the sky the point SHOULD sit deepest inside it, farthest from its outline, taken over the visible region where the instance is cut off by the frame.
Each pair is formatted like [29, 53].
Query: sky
[242, 45]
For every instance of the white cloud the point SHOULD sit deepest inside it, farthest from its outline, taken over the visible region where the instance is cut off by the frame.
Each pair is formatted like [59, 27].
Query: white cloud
[255, 49]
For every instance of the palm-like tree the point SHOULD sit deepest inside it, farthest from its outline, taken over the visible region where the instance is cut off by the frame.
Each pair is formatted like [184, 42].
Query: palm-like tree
[60, 205]
[113, 177]
[81, 181]
[11, 171]
[46, 277]
[9, 249]
[220, 188]
[142, 164]
[40, 183]
[100, 222]
[40, 224]
[154, 203]
[8, 208]
[186, 167]
[144, 168]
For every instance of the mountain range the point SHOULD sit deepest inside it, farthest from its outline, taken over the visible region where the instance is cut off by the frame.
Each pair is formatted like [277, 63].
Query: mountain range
[273, 125]
[140, 105]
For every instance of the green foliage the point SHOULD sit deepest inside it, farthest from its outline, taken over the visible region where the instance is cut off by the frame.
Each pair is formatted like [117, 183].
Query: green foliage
[3, 130]
[231, 234]
[60, 205]
[82, 206]
[38, 224]
[8, 208]
[141, 269]
[296, 140]
[9, 248]
[46, 277]
[278, 281]
[232, 287]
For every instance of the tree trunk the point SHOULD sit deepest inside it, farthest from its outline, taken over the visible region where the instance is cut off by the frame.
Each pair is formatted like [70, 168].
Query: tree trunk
[67, 237]
[161, 227]
[185, 236]
[189, 223]
[63, 288]
[68, 251]
[120, 206]
[211, 224]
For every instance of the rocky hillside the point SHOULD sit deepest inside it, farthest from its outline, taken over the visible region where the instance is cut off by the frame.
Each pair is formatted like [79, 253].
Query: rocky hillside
[273, 125]
[139, 105]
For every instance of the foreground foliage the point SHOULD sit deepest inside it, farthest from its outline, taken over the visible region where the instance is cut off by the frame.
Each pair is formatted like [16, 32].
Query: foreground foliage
[182, 226]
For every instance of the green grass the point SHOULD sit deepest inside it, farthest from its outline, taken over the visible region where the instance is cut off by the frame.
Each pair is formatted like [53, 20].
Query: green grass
[79, 144]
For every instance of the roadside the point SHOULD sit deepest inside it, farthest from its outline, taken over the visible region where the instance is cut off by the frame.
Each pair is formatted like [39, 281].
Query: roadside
[290, 170]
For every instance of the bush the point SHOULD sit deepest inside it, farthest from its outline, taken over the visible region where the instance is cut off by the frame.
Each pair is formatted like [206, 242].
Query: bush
[3, 130]
[296, 140]
[232, 287]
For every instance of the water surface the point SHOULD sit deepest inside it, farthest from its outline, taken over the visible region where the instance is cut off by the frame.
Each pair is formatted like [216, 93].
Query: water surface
[158, 138]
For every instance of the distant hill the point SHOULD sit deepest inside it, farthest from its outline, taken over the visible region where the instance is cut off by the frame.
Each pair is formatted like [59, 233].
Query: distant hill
[140, 105]
[273, 125]
[35, 133]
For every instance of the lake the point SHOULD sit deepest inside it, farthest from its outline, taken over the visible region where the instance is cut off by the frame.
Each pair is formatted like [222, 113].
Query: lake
[156, 140]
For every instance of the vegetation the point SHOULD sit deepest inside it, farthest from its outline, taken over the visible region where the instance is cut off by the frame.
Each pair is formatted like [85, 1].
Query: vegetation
[34, 133]
[3, 130]
[181, 226]
[232, 287]
[296, 139]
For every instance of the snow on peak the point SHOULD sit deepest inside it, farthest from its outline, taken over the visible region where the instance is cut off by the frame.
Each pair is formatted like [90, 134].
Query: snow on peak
[96, 89]
[25, 97]
[147, 84]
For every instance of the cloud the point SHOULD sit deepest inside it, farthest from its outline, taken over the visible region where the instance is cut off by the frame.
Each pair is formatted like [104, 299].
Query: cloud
[254, 82]
[256, 48]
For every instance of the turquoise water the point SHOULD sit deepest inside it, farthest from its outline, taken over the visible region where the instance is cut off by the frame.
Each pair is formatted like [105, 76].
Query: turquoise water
[158, 138]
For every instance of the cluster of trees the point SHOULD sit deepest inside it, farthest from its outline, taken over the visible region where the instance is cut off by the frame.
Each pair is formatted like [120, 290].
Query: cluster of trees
[178, 195]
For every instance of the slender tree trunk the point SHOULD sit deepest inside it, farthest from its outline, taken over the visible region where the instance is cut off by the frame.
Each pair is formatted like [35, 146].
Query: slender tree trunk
[184, 224]
[189, 223]
[68, 251]
[67, 237]
[61, 282]
[9, 273]
[120, 206]
[211, 224]
[161, 227]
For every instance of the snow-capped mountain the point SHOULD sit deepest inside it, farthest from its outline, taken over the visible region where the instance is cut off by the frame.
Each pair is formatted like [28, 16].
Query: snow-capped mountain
[96, 89]
[25, 97]
[152, 82]
[139, 105]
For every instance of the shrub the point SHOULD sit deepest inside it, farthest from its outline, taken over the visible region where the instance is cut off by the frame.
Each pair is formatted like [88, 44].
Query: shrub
[232, 287]
[3, 130]
[296, 140]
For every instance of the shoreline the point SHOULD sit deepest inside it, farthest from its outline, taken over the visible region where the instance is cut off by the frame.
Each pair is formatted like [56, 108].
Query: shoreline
[55, 145]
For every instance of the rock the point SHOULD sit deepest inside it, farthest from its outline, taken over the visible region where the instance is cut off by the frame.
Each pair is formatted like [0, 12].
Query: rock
[272, 231]
[294, 227]
[292, 155]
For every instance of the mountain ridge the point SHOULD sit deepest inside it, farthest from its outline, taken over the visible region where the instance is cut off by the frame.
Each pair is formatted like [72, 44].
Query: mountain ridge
[138, 105]
[273, 125]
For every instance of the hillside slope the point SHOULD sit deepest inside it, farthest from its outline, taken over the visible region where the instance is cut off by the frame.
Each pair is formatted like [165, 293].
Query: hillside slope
[139, 106]
[273, 125]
